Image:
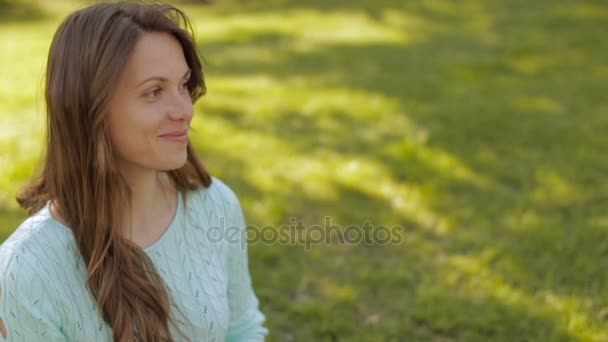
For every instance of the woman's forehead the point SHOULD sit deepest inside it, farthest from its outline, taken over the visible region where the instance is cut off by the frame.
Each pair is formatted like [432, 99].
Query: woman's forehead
[156, 54]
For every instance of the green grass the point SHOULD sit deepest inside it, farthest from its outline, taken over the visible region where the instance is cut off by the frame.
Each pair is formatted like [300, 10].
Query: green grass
[480, 126]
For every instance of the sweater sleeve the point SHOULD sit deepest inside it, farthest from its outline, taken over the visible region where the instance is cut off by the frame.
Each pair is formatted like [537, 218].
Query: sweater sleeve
[246, 318]
[26, 304]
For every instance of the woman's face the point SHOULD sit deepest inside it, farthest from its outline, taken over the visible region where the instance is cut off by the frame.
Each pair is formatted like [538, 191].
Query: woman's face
[150, 110]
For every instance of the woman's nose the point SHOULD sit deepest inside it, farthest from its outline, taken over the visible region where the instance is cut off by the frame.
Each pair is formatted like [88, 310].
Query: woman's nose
[182, 108]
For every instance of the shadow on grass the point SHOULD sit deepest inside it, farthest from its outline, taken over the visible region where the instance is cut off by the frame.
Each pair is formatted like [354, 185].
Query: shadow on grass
[342, 292]
[497, 108]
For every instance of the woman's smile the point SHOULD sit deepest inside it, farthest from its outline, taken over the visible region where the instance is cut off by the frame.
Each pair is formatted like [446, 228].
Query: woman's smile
[177, 136]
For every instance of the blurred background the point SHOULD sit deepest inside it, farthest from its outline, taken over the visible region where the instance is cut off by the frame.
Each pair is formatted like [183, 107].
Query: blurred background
[478, 126]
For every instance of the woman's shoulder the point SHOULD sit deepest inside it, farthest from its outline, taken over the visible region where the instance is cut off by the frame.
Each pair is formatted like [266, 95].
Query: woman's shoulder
[36, 246]
[32, 278]
[216, 194]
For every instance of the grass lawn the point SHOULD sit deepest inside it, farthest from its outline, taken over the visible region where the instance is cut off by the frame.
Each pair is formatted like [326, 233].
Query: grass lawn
[478, 126]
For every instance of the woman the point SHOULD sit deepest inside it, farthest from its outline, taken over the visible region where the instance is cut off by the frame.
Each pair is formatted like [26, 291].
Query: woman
[129, 238]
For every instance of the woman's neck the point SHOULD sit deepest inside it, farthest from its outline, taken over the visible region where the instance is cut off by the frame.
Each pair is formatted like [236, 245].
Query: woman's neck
[152, 205]
[147, 188]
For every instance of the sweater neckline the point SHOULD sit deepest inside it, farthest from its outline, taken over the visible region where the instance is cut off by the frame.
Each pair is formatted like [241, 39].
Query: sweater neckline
[175, 222]
[173, 225]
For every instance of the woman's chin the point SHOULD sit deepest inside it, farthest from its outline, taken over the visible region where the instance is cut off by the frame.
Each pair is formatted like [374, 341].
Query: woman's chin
[173, 164]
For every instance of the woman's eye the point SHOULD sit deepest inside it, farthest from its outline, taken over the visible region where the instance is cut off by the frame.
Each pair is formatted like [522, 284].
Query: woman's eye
[154, 92]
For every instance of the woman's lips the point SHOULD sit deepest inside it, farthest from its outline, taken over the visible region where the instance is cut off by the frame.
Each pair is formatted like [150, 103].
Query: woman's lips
[181, 136]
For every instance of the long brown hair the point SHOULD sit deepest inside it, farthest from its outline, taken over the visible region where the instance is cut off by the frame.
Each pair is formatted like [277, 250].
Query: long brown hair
[79, 175]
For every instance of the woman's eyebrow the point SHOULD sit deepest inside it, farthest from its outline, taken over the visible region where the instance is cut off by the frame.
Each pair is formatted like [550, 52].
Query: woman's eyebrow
[162, 79]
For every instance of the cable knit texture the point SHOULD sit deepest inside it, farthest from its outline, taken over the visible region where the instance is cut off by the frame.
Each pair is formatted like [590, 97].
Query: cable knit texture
[202, 256]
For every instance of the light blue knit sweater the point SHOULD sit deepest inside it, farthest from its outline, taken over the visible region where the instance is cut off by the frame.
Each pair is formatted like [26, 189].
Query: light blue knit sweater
[44, 296]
